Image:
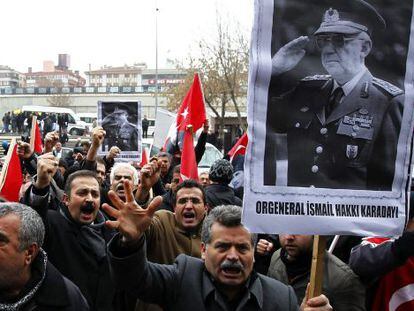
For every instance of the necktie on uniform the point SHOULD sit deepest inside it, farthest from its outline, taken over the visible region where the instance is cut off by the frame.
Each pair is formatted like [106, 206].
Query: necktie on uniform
[334, 100]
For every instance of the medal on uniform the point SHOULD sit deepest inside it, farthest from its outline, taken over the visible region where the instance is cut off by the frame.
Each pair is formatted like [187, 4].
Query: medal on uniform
[351, 151]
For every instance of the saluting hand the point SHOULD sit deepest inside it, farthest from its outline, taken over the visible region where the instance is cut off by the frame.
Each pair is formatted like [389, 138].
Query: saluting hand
[131, 220]
[289, 55]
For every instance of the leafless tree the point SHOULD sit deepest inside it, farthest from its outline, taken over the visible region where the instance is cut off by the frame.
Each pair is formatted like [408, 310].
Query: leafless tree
[223, 67]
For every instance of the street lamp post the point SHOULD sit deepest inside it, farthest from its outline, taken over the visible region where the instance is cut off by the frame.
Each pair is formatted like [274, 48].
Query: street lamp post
[156, 58]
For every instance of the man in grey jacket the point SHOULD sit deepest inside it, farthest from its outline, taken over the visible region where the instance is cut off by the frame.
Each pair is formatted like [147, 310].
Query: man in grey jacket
[291, 265]
[223, 279]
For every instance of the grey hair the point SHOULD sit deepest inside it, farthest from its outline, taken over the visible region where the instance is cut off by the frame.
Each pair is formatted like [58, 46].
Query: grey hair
[32, 229]
[226, 215]
[117, 166]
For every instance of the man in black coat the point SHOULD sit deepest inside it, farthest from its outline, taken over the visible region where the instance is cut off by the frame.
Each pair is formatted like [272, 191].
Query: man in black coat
[28, 281]
[219, 192]
[76, 236]
[223, 279]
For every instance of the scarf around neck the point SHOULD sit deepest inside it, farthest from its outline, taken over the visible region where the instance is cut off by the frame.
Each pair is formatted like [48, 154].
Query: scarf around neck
[91, 235]
[31, 288]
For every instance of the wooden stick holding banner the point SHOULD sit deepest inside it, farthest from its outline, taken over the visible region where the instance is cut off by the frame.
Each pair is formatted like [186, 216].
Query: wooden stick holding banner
[33, 132]
[316, 277]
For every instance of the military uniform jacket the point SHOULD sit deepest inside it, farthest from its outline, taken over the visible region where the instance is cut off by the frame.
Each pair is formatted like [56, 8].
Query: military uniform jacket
[354, 148]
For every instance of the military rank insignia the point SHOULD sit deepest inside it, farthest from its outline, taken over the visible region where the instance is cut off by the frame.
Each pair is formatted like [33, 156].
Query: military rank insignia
[351, 151]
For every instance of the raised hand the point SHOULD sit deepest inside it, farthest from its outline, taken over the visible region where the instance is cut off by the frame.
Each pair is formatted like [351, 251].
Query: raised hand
[264, 247]
[150, 173]
[47, 166]
[50, 141]
[23, 150]
[131, 220]
[289, 55]
[98, 136]
[113, 152]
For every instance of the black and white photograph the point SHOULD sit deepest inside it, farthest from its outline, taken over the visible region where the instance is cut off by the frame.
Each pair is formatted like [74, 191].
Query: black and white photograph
[122, 123]
[330, 105]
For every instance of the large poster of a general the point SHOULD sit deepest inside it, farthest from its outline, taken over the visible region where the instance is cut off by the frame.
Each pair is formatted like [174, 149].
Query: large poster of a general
[330, 117]
[122, 123]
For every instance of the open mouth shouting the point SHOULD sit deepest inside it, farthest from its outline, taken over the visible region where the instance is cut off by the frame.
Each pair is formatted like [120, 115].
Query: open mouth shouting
[189, 216]
[120, 190]
[87, 212]
[231, 269]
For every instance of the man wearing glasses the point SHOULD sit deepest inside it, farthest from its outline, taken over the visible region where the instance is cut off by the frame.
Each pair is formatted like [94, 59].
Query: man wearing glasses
[171, 234]
[340, 130]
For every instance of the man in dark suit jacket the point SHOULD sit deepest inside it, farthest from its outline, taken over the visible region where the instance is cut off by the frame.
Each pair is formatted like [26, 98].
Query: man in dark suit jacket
[223, 279]
[339, 130]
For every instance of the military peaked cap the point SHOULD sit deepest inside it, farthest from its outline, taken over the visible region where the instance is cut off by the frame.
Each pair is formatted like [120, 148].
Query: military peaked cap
[350, 17]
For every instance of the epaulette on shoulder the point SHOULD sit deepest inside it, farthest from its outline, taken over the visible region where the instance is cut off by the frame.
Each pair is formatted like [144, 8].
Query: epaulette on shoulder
[388, 87]
[316, 78]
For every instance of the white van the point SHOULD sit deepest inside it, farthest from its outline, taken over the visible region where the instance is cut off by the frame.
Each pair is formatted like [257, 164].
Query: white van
[75, 125]
[88, 118]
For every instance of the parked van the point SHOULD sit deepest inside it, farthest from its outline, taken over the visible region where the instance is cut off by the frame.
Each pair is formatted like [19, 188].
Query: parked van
[88, 118]
[75, 125]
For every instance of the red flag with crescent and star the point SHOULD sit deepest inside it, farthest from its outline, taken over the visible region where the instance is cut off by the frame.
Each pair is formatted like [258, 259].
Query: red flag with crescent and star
[190, 117]
[239, 147]
[395, 291]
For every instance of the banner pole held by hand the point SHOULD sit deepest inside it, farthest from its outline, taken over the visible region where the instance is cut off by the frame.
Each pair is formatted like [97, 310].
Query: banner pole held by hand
[316, 277]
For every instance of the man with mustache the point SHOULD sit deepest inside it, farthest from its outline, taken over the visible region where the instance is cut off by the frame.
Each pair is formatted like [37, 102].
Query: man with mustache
[291, 265]
[173, 233]
[76, 236]
[223, 279]
[339, 130]
[119, 173]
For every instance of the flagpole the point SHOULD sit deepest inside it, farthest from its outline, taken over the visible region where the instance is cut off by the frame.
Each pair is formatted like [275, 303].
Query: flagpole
[33, 132]
[156, 58]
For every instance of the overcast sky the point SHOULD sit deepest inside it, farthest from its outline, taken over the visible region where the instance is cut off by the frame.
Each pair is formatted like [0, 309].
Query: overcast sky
[102, 32]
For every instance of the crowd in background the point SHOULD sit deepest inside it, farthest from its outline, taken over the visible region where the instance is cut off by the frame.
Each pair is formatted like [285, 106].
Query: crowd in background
[102, 220]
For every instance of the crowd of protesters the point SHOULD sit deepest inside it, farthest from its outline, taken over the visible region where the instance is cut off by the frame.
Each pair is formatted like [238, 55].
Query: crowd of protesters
[91, 233]
[20, 122]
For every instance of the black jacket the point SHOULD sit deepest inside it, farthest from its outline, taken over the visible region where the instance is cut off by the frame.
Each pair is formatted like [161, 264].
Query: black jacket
[56, 293]
[72, 253]
[219, 194]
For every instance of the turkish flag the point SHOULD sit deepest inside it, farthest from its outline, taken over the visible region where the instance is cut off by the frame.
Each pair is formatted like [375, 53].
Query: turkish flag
[239, 147]
[192, 110]
[395, 291]
[36, 137]
[144, 158]
[11, 178]
[188, 169]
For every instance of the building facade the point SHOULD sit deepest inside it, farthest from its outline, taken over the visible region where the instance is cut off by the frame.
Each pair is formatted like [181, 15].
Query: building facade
[56, 78]
[10, 77]
[136, 75]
